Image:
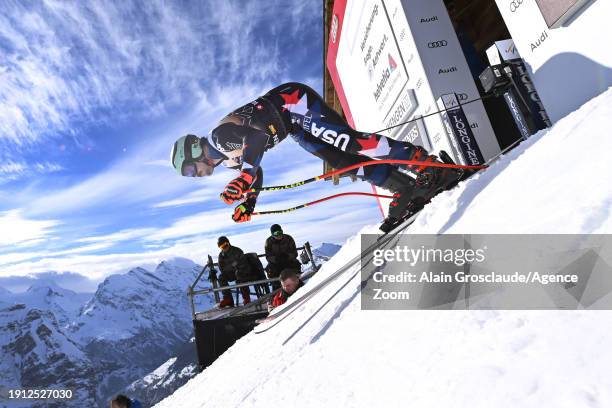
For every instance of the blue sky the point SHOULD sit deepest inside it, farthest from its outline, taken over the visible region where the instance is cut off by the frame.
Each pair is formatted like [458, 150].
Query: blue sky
[92, 97]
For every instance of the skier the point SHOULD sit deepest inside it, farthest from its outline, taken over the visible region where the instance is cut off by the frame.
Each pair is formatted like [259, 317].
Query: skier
[240, 139]
[290, 282]
[281, 253]
[234, 267]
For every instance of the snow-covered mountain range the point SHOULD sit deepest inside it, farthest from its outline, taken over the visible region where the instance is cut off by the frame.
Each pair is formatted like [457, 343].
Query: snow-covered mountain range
[133, 335]
[95, 344]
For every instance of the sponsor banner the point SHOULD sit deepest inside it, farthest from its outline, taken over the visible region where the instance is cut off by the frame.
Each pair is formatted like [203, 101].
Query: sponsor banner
[517, 114]
[530, 95]
[570, 65]
[478, 271]
[460, 131]
[391, 60]
[371, 66]
[446, 69]
[505, 52]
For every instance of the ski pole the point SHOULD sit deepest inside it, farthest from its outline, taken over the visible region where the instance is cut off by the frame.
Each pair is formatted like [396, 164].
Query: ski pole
[364, 164]
[354, 193]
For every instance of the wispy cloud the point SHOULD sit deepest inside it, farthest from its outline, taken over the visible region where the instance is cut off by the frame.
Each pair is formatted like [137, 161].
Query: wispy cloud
[96, 266]
[15, 229]
[10, 170]
[120, 236]
[65, 61]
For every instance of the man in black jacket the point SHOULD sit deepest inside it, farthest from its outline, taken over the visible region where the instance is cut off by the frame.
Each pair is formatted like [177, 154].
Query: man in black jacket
[281, 253]
[234, 267]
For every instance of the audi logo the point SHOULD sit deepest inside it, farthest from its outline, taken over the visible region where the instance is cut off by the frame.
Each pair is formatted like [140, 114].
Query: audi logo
[437, 44]
[334, 28]
[515, 4]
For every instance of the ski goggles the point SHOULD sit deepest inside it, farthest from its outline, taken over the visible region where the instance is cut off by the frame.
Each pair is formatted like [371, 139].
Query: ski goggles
[190, 167]
[277, 233]
[224, 245]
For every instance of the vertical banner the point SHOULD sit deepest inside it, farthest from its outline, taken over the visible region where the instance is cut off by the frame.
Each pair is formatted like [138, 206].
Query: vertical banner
[517, 114]
[458, 127]
[522, 99]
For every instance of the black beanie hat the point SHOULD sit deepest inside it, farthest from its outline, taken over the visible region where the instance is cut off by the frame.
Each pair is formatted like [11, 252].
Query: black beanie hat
[275, 227]
[222, 239]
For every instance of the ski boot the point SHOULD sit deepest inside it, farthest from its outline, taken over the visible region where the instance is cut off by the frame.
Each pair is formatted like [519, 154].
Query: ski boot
[412, 207]
[412, 192]
[403, 187]
[431, 180]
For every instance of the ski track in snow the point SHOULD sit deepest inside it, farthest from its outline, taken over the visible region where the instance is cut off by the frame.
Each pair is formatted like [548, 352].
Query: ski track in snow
[556, 182]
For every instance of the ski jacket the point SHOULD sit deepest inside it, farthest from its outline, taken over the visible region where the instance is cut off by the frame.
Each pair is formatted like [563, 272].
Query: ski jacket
[233, 264]
[282, 296]
[245, 134]
[282, 253]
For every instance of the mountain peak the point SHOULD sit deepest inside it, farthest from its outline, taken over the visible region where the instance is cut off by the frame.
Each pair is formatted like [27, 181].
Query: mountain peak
[49, 286]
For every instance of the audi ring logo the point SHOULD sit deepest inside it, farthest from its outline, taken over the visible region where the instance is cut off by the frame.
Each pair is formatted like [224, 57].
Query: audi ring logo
[334, 28]
[437, 44]
[515, 4]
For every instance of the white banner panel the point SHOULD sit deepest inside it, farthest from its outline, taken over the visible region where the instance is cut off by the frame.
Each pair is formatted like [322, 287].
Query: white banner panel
[571, 64]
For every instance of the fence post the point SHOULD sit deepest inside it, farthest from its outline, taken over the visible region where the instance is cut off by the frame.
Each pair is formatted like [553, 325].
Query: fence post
[309, 253]
[213, 278]
[190, 294]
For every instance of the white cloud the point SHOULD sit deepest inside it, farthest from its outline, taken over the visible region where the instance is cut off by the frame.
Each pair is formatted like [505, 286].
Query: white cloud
[11, 170]
[346, 221]
[15, 230]
[119, 236]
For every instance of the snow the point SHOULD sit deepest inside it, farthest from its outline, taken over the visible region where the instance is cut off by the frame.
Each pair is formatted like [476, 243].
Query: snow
[556, 182]
[159, 372]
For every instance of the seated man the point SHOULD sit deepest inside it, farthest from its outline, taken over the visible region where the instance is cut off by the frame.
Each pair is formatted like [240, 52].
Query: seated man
[281, 253]
[121, 401]
[233, 267]
[290, 282]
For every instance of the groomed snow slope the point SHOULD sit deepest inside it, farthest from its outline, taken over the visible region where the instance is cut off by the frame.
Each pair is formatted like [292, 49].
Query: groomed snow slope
[559, 181]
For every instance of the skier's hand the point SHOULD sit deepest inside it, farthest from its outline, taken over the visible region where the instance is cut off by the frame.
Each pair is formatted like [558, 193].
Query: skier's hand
[236, 188]
[242, 213]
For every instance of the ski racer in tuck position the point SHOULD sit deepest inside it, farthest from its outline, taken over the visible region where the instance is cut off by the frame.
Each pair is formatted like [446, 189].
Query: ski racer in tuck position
[241, 138]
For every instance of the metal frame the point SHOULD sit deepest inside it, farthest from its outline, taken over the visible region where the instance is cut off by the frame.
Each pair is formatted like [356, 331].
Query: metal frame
[215, 289]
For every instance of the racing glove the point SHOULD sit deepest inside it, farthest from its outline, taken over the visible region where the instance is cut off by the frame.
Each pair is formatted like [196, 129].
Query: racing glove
[236, 188]
[242, 213]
